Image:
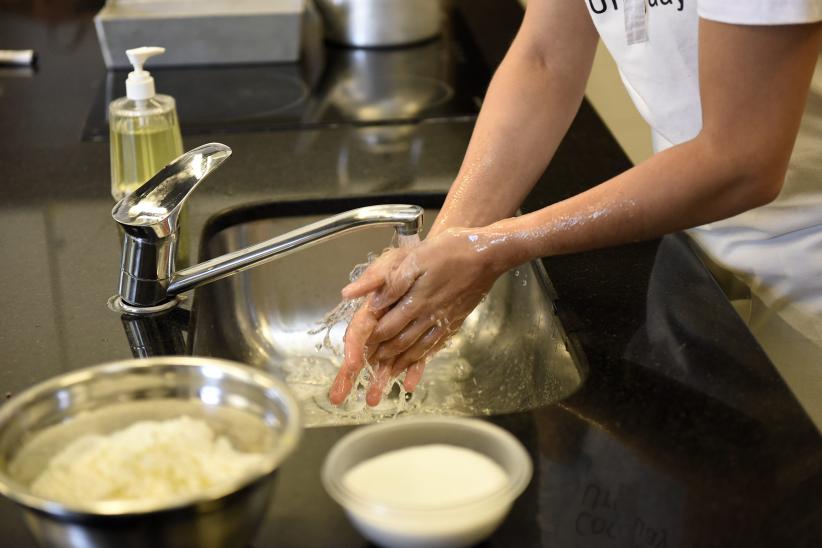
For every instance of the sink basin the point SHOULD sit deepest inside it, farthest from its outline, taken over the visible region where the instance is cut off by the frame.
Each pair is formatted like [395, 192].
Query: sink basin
[511, 354]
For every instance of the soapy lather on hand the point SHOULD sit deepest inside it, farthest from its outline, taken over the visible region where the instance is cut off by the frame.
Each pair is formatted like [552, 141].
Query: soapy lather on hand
[416, 299]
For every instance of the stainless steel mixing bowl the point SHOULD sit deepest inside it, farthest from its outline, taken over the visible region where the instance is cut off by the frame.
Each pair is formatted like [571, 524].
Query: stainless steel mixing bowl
[376, 23]
[254, 410]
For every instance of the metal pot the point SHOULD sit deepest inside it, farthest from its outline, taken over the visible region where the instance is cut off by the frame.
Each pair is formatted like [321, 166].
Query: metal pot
[374, 23]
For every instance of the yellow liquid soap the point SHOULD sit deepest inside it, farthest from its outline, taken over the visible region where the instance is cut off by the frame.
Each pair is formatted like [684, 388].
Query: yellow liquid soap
[139, 153]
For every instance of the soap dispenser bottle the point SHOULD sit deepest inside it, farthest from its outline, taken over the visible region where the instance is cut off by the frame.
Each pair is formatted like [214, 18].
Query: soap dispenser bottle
[144, 131]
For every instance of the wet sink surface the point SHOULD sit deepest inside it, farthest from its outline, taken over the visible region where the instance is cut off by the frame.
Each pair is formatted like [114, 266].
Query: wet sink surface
[509, 356]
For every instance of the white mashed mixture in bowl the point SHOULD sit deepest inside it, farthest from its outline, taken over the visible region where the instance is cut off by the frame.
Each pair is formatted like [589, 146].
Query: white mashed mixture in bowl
[152, 461]
[165, 451]
[428, 481]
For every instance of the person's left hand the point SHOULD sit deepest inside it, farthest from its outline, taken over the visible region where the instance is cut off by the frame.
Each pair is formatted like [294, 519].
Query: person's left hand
[417, 298]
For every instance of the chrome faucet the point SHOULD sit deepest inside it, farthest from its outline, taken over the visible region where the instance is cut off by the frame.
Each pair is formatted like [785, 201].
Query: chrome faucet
[149, 215]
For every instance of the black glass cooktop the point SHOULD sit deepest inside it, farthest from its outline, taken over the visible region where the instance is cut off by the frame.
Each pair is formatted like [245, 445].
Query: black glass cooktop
[331, 85]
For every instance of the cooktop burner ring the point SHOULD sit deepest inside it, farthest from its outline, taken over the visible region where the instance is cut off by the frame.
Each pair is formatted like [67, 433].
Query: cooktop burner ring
[392, 97]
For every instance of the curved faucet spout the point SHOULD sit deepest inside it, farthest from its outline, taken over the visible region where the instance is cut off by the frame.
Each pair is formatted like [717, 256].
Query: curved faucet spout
[406, 219]
[149, 219]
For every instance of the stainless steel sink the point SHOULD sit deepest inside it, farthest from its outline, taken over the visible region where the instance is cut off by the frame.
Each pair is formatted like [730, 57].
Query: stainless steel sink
[510, 355]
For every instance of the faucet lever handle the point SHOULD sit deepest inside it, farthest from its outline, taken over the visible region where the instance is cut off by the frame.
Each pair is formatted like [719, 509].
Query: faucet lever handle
[152, 209]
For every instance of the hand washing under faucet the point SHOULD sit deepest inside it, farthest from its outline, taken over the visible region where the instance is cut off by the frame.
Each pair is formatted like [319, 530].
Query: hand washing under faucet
[149, 218]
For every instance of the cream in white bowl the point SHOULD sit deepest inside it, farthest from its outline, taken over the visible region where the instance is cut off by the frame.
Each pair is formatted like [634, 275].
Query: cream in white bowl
[427, 481]
[427, 476]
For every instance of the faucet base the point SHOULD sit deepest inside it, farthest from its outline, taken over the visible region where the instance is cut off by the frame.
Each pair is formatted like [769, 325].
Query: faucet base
[116, 304]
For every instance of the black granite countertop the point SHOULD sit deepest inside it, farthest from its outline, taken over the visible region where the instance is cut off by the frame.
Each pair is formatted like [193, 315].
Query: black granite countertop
[683, 434]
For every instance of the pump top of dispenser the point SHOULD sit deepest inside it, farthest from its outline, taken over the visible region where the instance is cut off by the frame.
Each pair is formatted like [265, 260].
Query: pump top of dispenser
[140, 84]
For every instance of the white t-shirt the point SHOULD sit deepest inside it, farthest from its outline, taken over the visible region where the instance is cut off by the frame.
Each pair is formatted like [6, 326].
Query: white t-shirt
[775, 249]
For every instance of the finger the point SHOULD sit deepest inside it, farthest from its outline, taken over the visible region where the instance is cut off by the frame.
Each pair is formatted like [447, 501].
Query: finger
[382, 376]
[396, 370]
[360, 328]
[402, 342]
[415, 369]
[412, 378]
[425, 348]
[394, 320]
[342, 385]
[374, 276]
[398, 281]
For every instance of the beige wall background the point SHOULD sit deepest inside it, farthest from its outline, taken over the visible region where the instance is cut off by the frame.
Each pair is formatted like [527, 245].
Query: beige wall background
[608, 96]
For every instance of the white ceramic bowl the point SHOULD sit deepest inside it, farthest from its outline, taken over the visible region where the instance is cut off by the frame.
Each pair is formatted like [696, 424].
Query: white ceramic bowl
[408, 526]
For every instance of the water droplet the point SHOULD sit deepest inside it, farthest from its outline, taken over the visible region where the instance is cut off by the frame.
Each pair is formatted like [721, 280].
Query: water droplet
[524, 283]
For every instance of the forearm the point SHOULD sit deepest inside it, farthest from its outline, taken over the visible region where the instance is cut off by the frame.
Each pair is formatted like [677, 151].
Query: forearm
[529, 106]
[684, 186]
